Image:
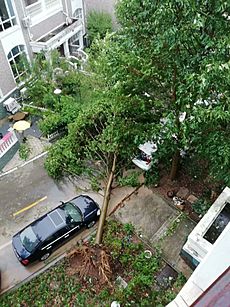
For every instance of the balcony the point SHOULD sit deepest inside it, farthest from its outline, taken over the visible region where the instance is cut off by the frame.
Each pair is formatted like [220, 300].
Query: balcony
[57, 37]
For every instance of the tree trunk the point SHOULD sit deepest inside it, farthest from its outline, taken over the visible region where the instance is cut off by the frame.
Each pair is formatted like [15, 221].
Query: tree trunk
[175, 164]
[105, 203]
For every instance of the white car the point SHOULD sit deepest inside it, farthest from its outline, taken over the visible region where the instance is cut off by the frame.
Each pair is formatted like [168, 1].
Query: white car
[144, 158]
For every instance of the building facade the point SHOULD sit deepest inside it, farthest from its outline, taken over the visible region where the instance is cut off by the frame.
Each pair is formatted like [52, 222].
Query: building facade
[31, 26]
[209, 245]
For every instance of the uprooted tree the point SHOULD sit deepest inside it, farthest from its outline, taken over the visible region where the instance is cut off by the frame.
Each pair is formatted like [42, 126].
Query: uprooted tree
[100, 141]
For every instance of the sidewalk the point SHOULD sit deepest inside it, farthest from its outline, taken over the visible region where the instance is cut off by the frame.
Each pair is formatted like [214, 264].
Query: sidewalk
[36, 146]
[154, 220]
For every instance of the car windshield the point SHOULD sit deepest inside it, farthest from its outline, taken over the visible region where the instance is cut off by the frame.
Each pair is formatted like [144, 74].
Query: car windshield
[73, 214]
[29, 239]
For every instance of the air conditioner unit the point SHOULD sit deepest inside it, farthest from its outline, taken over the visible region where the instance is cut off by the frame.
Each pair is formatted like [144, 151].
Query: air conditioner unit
[26, 21]
[11, 105]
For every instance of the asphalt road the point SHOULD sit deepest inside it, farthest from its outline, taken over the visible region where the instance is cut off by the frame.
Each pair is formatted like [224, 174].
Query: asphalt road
[13, 273]
[25, 195]
[29, 192]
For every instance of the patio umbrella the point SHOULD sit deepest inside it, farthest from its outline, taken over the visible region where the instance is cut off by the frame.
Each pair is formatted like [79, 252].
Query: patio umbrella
[21, 126]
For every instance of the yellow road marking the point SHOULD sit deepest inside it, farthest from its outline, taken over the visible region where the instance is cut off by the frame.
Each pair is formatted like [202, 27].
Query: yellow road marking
[30, 206]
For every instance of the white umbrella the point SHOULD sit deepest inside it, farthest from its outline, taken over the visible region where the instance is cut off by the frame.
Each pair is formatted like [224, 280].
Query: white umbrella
[21, 125]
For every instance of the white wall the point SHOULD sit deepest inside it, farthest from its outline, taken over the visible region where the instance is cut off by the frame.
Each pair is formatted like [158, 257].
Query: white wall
[197, 246]
[212, 266]
[12, 39]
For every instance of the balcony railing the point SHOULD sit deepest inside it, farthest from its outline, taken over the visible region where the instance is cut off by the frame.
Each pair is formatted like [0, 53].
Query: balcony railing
[7, 142]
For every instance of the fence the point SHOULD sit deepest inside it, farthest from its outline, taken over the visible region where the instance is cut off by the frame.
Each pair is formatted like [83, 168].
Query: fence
[7, 142]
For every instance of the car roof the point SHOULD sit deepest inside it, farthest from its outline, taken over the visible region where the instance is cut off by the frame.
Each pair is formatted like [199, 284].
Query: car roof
[50, 223]
[148, 148]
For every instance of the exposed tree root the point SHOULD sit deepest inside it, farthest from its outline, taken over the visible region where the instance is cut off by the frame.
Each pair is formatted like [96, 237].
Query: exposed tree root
[90, 262]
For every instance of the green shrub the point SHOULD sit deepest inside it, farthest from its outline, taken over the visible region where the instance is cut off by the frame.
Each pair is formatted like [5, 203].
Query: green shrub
[152, 177]
[201, 206]
[98, 24]
[24, 151]
[130, 180]
[95, 185]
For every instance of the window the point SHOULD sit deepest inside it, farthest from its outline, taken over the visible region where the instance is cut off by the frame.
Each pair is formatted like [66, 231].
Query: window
[7, 16]
[78, 13]
[29, 239]
[29, 2]
[16, 58]
[75, 39]
[72, 213]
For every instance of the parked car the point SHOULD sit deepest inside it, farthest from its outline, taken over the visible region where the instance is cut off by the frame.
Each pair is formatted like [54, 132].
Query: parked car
[144, 158]
[40, 238]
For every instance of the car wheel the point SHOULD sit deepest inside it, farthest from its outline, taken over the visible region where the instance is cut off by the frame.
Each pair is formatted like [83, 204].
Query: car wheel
[45, 256]
[91, 224]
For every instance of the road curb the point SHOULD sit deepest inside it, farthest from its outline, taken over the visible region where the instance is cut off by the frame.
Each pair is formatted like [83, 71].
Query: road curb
[23, 164]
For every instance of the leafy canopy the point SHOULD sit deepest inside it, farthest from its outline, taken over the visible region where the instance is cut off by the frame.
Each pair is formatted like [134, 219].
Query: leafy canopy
[174, 55]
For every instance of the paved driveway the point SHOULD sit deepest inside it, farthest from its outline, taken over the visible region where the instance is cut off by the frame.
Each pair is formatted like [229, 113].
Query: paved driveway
[32, 189]
[152, 216]
[148, 212]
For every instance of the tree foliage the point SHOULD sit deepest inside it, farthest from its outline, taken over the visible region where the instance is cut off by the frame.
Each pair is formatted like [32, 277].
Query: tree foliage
[174, 55]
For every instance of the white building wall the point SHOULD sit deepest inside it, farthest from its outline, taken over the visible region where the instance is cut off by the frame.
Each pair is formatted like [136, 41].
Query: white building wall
[196, 245]
[41, 18]
[12, 39]
[212, 266]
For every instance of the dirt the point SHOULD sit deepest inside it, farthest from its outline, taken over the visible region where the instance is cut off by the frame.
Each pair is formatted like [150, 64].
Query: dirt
[95, 267]
[195, 187]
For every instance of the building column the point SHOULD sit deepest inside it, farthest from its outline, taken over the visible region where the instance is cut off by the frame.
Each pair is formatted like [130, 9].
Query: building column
[66, 48]
[81, 43]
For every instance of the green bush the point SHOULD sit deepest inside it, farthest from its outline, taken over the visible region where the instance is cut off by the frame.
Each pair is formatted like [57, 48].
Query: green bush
[152, 177]
[24, 151]
[98, 24]
[201, 206]
[130, 180]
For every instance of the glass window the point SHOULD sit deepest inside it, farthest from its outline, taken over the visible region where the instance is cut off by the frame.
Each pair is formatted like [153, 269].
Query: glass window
[7, 16]
[17, 58]
[10, 7]
[29, 2]
[29, 239]
[74, 40]
[78, 13]
[72, 213]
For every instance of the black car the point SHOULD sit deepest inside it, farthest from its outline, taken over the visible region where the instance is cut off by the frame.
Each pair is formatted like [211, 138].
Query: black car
[40, 238]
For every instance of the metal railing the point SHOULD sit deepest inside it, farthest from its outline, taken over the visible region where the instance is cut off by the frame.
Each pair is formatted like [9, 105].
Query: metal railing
[7, 142]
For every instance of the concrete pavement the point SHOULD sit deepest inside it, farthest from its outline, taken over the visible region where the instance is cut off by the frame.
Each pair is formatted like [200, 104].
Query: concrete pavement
[152, 216]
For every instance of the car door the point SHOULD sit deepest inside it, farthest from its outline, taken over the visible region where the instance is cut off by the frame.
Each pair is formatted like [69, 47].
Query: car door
[73, 228]
[48, 245]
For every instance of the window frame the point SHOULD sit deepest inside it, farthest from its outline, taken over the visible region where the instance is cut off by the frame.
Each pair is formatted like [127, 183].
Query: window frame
[78, 13]
[12, 62]
[30, 5]
[10, 18]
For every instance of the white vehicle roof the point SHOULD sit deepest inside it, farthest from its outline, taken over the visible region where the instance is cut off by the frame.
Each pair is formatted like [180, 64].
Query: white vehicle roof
[148, 148]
